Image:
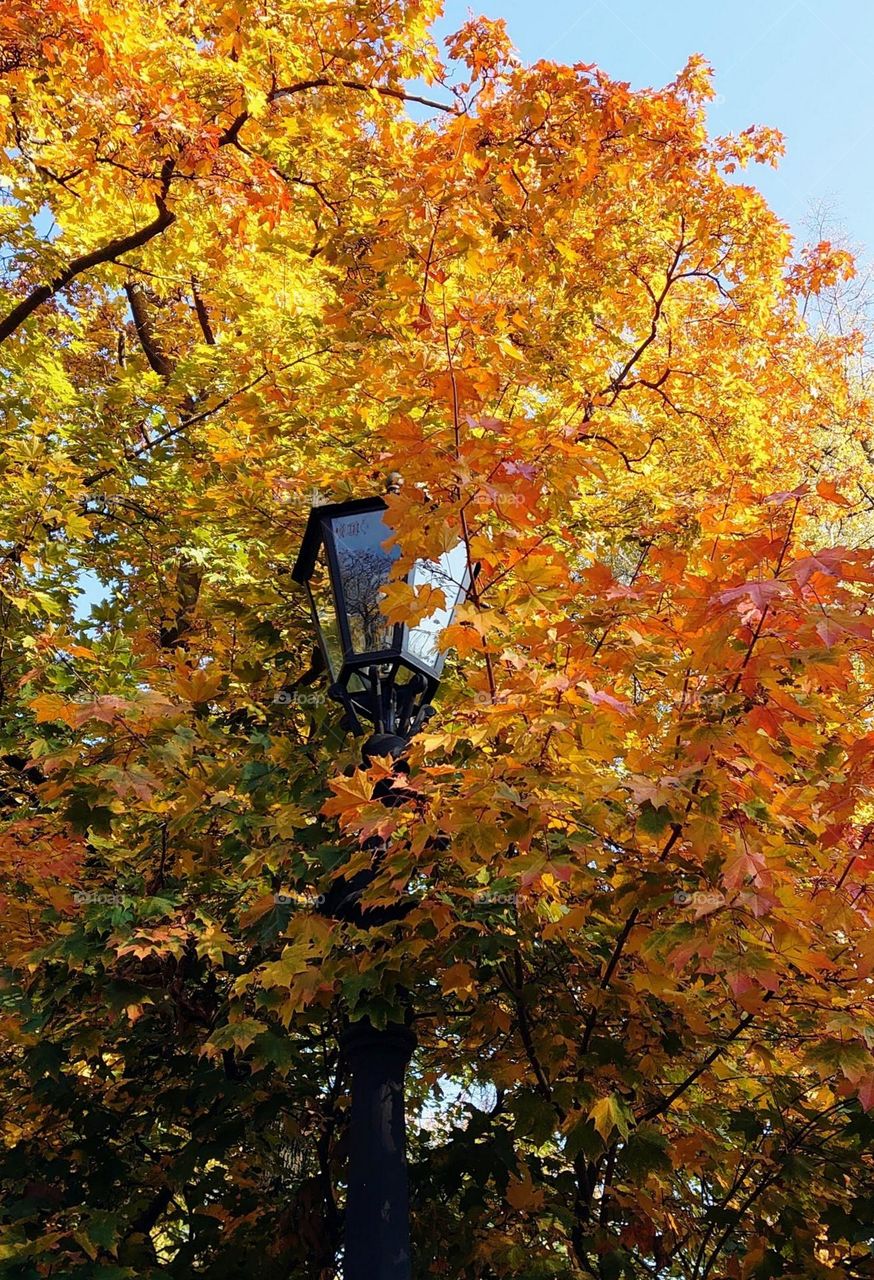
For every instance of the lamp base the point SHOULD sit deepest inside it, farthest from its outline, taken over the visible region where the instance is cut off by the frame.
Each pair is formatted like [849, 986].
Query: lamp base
[383, 744]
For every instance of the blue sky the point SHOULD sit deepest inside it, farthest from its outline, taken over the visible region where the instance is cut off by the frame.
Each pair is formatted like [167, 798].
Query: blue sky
[804, 66]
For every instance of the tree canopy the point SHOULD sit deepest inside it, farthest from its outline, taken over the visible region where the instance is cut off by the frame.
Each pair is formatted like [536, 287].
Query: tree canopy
[259, 255]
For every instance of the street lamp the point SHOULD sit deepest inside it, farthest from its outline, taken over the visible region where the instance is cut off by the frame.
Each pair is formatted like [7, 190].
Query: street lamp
[385, 675]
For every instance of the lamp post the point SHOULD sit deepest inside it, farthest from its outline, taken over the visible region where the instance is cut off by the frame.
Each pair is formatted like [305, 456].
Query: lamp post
[384, 675]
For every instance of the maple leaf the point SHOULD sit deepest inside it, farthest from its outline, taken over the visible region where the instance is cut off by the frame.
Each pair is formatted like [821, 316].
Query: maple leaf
[524, 1196]
[759, 594]
[829, 631]
[49, 707]
[106, 708]
[827, 561]
[829, 490]
[601, 698]
[609, 1114]
[401, 602]
[866, 1092]
[663, 792]
[349, 794]
[744, 862]
[214, 942]
[239, 1033]
[458, 978]
[792, 495]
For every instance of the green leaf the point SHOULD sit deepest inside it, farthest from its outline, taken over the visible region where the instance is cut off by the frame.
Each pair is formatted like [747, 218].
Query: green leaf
[654, 822]
[276, 1050]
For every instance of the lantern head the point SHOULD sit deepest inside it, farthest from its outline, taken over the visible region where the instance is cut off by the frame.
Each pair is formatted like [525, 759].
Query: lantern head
[385, 672]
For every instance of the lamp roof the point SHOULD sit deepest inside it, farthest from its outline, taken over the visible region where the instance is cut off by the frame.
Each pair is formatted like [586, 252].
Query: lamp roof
[312, 538]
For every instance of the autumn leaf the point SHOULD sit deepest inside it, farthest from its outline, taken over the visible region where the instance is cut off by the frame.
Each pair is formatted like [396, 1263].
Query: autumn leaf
[349, 794]
[609, 1114]
[828, 489]
[458, 978]
[50, 707]
[404, 603]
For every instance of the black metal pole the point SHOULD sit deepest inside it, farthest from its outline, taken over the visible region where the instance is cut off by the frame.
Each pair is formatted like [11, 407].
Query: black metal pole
[377, 1236]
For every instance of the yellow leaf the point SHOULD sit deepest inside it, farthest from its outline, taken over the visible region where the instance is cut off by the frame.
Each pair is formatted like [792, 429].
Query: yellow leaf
[214, 943]
[349, 793]
[199, 686]
[611, 1113]
[50, 707]
[402, 602]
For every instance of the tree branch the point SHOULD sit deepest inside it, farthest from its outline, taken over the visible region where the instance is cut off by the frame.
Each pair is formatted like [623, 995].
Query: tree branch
[516, 989]
[232, 132]
[617, 384]
[768, 1181]
[202, 314]
[139, 305]
[664, 1103]
[106, 253]
[131, 455]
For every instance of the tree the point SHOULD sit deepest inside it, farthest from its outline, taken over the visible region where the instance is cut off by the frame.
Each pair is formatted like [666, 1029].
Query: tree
[249, 255]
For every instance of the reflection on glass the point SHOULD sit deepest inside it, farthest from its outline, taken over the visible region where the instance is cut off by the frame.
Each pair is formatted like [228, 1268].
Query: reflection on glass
[365, 567]
[322, 602]
[450, 575]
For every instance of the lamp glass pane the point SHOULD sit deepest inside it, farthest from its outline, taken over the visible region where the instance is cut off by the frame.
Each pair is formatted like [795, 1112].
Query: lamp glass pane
[451, 575]
[325, 615]
[365, 567]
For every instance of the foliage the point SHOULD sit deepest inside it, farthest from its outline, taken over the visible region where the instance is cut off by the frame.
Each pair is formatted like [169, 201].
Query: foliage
[259, 253]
